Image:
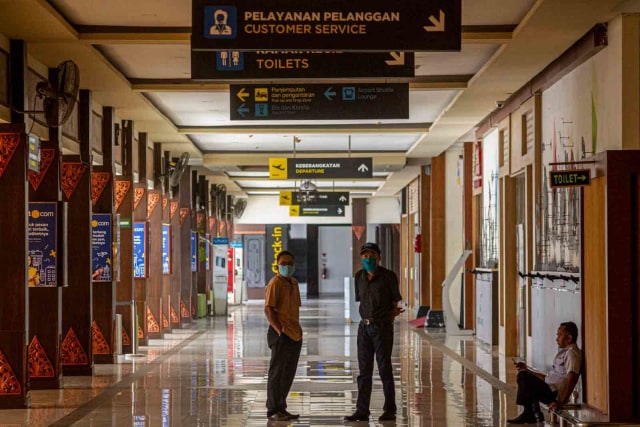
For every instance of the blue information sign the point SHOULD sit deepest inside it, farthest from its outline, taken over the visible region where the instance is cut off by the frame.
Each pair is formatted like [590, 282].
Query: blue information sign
[139, 250]
[102, 256]
[166, 249]
[220, 240]
[236, 245]
[42, 244]
[194, 251]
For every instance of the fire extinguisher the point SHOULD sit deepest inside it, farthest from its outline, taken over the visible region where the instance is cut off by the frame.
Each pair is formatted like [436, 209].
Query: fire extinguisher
[323, 260]
[324, 272]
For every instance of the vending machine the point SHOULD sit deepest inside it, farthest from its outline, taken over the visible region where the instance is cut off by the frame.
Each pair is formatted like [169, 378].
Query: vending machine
[236, 278]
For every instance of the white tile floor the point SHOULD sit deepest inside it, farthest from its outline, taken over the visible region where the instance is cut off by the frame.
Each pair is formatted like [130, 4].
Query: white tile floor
[214, 374]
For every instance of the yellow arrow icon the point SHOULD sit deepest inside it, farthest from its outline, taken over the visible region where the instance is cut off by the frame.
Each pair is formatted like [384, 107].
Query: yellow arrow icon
[242, 95]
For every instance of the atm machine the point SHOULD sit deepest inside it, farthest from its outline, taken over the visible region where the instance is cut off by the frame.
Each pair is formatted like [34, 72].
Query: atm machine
[236, 277]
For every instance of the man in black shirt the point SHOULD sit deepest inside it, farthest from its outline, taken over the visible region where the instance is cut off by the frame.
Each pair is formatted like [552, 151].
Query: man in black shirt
[378, 293]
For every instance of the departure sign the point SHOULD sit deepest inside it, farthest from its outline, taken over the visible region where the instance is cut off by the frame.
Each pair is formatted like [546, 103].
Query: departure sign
[288, 198]
[346, 167]
[570, 178]
[234, 64]
[374, 25]
[319, 101]
[316, 210]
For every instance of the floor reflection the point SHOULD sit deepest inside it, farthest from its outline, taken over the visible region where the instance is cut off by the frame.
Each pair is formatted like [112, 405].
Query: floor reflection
[214, 374]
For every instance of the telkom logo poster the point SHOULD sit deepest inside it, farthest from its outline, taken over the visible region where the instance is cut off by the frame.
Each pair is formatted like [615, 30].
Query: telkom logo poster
[102, 256]
[139, 250]
[42, 255]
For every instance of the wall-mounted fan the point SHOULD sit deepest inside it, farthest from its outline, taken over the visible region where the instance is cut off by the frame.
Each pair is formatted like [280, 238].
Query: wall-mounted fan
[238, 207]
[308, 192]
[176, 170]
[218, 195]
[59, 99]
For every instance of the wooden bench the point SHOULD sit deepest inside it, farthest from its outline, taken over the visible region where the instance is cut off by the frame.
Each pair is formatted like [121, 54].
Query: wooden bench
[580, 415]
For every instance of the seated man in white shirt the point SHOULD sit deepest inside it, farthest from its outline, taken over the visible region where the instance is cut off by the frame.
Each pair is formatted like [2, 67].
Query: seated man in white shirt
[555, 387]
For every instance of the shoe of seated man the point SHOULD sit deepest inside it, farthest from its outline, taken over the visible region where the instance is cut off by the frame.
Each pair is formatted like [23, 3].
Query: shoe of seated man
[526, 417]
[387, 416]
[290, 415]
[279, 416]
[356, 416]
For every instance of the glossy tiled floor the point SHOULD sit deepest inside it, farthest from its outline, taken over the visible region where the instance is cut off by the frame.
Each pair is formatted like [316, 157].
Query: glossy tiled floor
[214, 374]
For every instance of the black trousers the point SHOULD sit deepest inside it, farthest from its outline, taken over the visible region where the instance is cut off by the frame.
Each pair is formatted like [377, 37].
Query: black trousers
[375, 340]
[285, 353]
[532, 390]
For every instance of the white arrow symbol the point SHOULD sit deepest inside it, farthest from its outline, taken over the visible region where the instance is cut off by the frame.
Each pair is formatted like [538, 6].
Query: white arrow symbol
[342, 199]
[339, 211]
[438, 24]
[398, 58]
[242, 95]
[363, 168]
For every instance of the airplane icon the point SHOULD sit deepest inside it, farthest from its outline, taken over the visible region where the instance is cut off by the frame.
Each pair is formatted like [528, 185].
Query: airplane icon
[279, 167]
[284, 196]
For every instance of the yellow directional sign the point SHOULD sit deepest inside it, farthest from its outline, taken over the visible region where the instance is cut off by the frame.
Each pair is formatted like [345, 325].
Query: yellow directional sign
[294, 210]
[286, 197]
[278, 168]
[242, 95]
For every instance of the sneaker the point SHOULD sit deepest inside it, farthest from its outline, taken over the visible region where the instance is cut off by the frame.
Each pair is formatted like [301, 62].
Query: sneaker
[290, 415]
[279, 416]
[387, 416]
[356, 416]
[524, 418]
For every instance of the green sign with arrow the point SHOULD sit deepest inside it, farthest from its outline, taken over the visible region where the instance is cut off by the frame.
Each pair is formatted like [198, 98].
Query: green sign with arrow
[571, 178]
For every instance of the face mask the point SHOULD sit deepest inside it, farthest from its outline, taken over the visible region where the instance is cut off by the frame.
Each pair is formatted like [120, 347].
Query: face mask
[369, 264]
[286, 270]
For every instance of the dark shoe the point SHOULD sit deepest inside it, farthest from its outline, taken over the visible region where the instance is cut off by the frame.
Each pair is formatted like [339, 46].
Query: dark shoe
[387, 416]
[526, 417]
[356, 416]
[279, 416]
[291, 416]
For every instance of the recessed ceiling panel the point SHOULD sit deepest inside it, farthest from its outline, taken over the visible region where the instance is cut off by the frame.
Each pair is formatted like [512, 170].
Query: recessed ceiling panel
[212, 109]
[291, 184]
[151, 61]
[468, 61]
[128, 13]
[494, 12]
[307, 142]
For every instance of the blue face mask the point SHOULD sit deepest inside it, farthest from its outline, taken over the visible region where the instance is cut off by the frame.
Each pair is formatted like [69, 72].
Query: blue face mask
[369, 264]
[286, 270]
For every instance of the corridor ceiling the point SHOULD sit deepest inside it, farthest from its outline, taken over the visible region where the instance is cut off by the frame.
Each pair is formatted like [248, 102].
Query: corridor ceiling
[135, 56]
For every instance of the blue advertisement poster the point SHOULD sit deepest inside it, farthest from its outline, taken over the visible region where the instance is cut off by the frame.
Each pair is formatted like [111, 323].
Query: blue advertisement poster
[139, 250]
[42, 244]
[207, 251]
[102, 256]
[166, 249]
[194, 251]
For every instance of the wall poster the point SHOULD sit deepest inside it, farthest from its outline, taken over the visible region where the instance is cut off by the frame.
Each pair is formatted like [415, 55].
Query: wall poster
[102, 256]
[194, 251]
[139, 250]
[42, 255]
[166, 249]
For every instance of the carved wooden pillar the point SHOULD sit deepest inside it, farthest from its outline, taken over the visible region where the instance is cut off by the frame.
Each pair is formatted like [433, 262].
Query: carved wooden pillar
[154, 282]
[435, 317]
[185, 227]
[77, 297]
[104, 288]
[140, 210]
[124, 207]
[14, 308]
[167, 257]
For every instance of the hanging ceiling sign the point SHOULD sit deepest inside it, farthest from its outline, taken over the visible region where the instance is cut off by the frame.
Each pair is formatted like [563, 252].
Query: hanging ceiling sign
[570, 178]
[374, 25]
[319, 101]
[235, 64]
[288, 198]
[297, 210]
[345, 167]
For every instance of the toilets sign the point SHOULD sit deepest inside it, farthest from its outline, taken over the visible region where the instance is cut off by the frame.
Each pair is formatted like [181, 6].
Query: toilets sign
[373, 25]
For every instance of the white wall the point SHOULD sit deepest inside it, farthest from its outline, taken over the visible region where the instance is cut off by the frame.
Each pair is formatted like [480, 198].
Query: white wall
[454, 227]
[335, 243]
[267, 210]
[383, 210]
